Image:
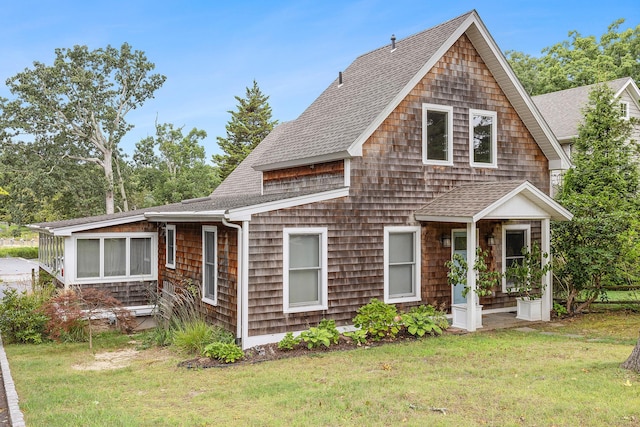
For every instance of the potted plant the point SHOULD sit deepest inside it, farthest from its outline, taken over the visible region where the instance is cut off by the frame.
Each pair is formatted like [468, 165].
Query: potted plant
[485, 281]
[524, 279]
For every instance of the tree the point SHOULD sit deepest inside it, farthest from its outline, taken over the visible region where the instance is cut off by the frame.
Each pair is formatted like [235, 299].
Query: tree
[602, 193]
[177, 172]
[80, 103]
[249, 125]
[580, 61]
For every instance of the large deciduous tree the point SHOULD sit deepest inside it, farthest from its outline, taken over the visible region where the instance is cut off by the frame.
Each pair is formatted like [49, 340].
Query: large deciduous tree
[602, 193]
[249, 125]
[171, 167]
[80, 103]
[581, 60]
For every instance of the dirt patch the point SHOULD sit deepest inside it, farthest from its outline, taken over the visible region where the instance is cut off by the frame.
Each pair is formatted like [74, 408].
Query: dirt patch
[121, 359]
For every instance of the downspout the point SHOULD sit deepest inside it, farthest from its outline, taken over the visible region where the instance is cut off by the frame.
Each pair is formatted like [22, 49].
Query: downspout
[239, 276]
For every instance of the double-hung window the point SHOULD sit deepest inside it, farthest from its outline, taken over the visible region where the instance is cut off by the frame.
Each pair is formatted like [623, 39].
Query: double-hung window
[515, 238]
[624, 110]
[170, 246]
[116, 256]
[437, 134]
[483, 138]
[401, 264]
[304, 269]
[210, 264]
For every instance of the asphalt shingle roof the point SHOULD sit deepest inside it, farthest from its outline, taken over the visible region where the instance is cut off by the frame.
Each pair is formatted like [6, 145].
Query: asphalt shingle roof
[562, 110]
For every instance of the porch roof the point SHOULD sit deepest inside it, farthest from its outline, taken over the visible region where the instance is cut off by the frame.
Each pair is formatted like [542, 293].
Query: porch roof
[503, 200]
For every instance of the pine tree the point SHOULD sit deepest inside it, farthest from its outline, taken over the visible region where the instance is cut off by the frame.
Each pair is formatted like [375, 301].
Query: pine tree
[249, 125]
[602, 193]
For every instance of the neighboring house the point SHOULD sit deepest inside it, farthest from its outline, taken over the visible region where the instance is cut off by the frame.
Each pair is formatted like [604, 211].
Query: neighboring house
[423, 148]
[563, 110]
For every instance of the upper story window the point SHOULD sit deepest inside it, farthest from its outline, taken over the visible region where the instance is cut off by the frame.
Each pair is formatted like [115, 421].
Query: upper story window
[304, 269]
[115, 256]
[401, 264]
[624, 110]
[483, 138]
[170, 246]
[437, 134]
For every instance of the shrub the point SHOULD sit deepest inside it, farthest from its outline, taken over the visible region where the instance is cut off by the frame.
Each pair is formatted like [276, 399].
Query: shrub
[289, 342]
[359, 336]
[225, 352]
[424, 320]
[28, 252]
[193, 336]
[378, 319]
[316, 336]
[66, 321]
[330, 326]
[21, 317]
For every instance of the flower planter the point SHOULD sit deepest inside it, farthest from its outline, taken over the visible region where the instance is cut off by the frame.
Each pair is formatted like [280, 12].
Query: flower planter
[459, 312]
[529, 309]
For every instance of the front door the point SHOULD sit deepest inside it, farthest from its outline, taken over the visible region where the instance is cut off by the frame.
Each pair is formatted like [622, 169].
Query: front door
[459, 246]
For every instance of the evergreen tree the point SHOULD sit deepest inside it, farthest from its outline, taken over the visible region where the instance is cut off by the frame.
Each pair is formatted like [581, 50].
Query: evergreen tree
[602, 193]
[249, 125]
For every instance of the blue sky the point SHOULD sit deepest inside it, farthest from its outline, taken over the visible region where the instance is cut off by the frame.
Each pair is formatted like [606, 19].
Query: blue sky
[210, 51]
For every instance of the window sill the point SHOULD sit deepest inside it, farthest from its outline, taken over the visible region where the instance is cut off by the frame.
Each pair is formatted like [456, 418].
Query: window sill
[396, 300]
[303, 309]
[210, 301]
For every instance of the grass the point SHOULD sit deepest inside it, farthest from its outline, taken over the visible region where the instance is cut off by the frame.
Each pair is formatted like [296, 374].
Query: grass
[504, 378]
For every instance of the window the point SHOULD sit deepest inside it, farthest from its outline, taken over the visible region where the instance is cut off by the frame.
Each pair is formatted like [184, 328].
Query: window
[115, 257]
[483, 140]
[170, 246]
[401, 264]
[209, 265]
[305, 269]
[437, 134]
[624, 110]
[515, 237]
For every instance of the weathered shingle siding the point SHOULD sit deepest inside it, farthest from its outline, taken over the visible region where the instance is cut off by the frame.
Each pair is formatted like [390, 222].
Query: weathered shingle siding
[388, 183]
[319, 177]
[189, 269]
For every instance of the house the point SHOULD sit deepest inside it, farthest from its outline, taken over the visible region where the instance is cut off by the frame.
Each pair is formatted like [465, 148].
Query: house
[425, 147]
[563, 111]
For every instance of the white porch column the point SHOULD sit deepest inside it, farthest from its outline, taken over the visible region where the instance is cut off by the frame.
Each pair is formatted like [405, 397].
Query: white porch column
[547, 294]
[471, 277]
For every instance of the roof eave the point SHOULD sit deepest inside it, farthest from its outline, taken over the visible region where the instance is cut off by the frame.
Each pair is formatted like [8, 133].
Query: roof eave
[191, 216]
[69, 230]
[313, 160]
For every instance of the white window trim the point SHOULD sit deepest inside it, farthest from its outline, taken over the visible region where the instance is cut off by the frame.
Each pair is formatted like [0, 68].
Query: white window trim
[417, 270]
[494, 138]
[214, 230]
[102, 278]
[527, 242]
[445, 109]
[626, 110]
[172, 265]
[324, 293]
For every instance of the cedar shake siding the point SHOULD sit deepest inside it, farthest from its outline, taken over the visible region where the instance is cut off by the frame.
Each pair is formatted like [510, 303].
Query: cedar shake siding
[388, 183]
[188, 269]
[314, 177]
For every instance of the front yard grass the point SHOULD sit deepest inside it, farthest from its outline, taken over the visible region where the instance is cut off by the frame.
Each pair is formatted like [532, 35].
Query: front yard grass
[503, 378]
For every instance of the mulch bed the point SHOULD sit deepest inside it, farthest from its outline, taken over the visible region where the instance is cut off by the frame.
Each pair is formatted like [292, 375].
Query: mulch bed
[269, 352]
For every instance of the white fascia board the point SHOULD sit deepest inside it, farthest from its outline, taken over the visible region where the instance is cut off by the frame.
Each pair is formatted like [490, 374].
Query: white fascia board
[439, 218]
[244, 214]
[314, 160]
[355, 149]
[536, 196]
[68, 231]
[190, 216]
[633, 88]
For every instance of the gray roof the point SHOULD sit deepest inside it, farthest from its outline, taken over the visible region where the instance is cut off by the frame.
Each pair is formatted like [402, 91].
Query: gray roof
[331, 124]
[468, 199]
[562, 110]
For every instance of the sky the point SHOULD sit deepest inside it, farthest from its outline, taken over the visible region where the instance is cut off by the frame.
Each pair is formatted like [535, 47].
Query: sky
[211, 51]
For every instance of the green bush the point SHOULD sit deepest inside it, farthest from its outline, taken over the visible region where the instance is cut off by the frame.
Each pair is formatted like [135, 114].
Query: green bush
[225, 352]
[289, 342]
[359, 336]
[28, 252]
[21, 318]
[193, 336]
[330, 326]
[378, 319]
[315, 337]
[424, 320]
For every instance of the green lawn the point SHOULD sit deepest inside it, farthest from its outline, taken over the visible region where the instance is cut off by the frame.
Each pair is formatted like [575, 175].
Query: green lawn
[505, 378]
